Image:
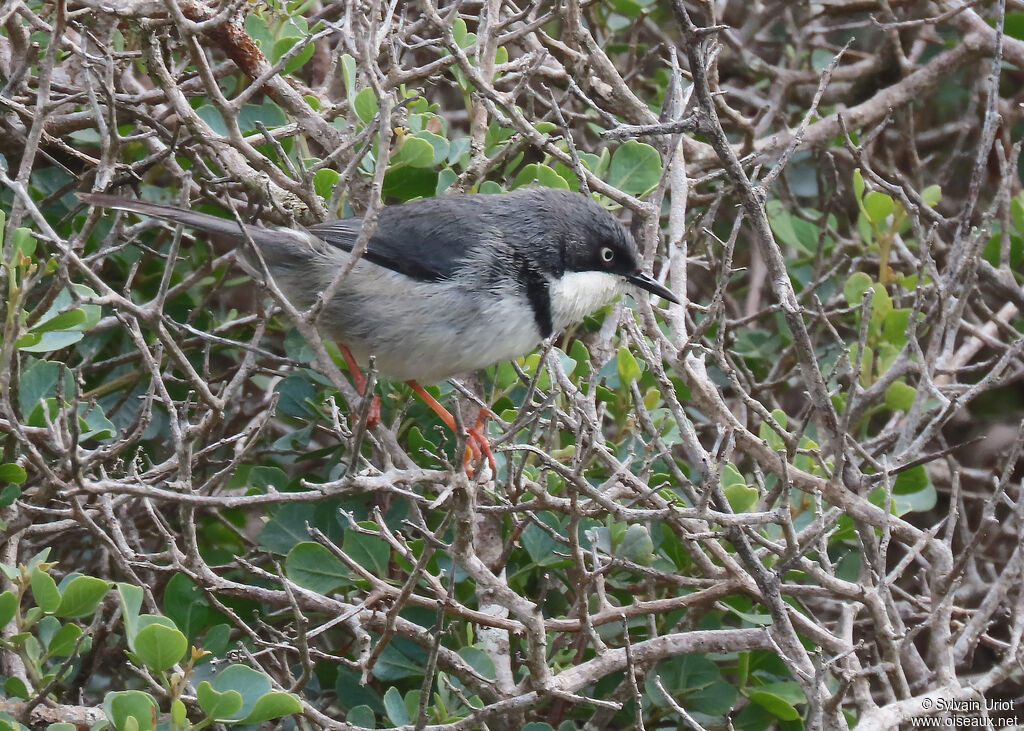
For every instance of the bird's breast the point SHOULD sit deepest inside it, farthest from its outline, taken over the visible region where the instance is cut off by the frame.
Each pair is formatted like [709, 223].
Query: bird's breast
[575, 295]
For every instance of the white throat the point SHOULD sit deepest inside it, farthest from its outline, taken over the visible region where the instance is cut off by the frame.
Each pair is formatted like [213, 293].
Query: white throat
[576, 294]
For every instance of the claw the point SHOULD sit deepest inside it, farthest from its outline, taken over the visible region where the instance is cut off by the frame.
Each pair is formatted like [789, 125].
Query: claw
[477, 444]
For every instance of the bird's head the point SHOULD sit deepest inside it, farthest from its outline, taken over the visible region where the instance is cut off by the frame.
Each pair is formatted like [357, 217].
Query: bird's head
[593, 240]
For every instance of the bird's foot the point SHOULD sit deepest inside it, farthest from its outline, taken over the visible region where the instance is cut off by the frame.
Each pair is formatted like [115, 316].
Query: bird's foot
[360, 383]
[478, 445]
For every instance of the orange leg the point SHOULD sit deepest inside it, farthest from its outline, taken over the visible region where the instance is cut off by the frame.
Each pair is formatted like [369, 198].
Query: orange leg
[476, 442]
[360, 380]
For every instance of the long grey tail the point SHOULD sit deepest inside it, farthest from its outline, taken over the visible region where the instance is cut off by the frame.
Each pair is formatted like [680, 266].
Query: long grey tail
[272, 241]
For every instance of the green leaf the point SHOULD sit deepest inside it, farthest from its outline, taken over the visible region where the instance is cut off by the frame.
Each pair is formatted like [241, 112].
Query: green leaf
[160, 647]
[44, 590]
[7, 497]
[479, 660]
[252, 685]
[637, 545]
[932, 195]
[769, 435]
[15, 687]
[121, 706]
[216, 705]
[406, 182]
[62, 644]
[881, 304]
[131, 605]
[440, 144]
[370, 552]
[627, 366]
[878, 206]
[11, 472]
[635, 167]
[23, 241]
[858, 184]
[365, 105]
[899, 396]
[187, 606]
[914, 479]
[8, 607]
[542, 549]
[348, 74]
[273, 705]
[414, 152]
[283, 45]
[81, 596]
[179, 713]
[313, 567]
[774, 704]
[537, 174]
[52, 341]
[855, 287]
[394, 706]
[268, 113]
[324, 181]
[63, 321]
[740, 495]
[894, 326]
[361, 716]
[256, 26]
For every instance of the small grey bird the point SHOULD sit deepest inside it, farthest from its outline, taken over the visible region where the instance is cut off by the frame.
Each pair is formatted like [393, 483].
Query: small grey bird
[450, 284]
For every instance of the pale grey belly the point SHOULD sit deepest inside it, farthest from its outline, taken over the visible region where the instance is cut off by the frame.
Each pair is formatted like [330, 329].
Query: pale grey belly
[424, 331]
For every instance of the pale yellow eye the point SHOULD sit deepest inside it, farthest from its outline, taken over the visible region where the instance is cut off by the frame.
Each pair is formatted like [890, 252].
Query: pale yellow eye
[607, 254]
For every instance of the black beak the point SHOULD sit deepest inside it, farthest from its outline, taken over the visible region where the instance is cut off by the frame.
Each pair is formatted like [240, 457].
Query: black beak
[643, 281]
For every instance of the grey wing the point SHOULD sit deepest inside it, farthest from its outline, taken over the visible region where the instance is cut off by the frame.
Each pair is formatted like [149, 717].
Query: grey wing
[427, 240]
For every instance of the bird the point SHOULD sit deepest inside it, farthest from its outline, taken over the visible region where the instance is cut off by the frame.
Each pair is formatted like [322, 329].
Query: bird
[447, 285]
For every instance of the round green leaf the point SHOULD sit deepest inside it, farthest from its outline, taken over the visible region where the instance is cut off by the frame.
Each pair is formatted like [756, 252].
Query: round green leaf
[273, 705]
[629, 369]
[15, 687]
[62, 321]
[932, 195]
[775, 705]
[362, 716]
[414, 152]
[370, 552]
[44, 590]
[8, 607]
[406, 182]
[855, 286]
[324, 181]
[283, 45]
[537, 174]
[394, 706]
[216, 705]
[23, 240]
[252, 686]
[160, 647]
[82, 596]
[124, 706]
[899, 396]
[635, 167]
[440, 145]
[878, 206]
[313, 567]
[365, 105]
[741, 496]
[637, 545]
[11, 472]
[62, 644]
